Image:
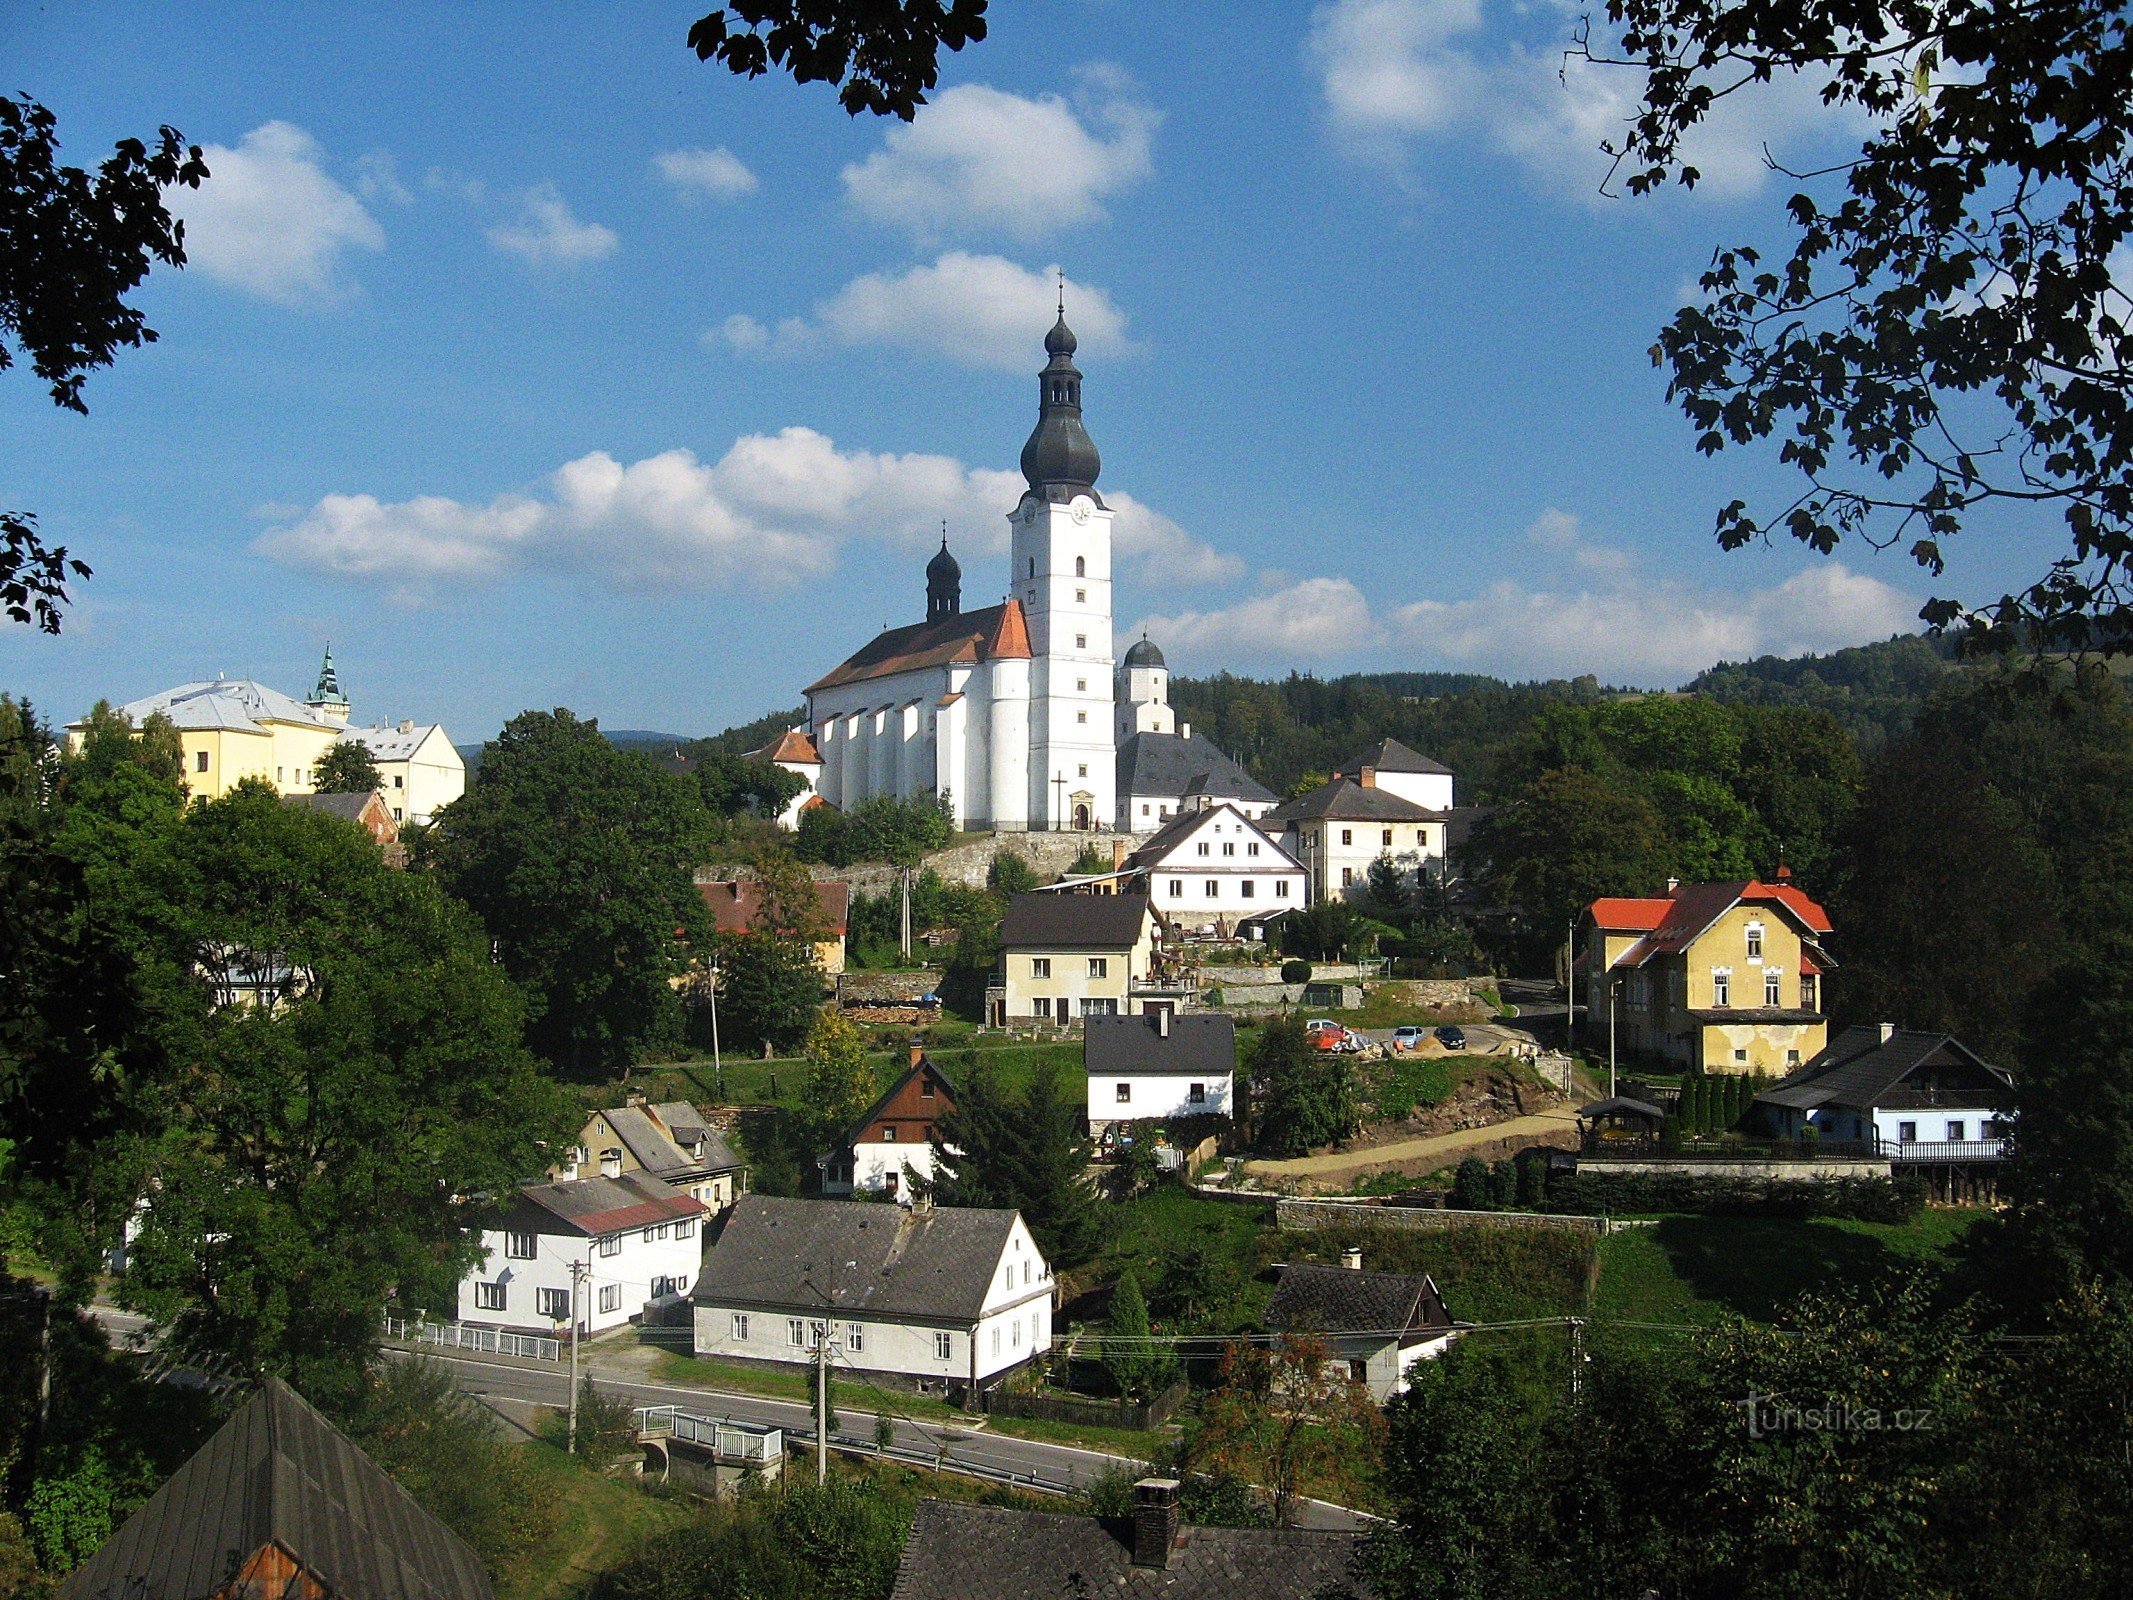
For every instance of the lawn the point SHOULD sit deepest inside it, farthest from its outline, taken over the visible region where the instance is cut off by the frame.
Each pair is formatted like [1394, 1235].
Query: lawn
[1696, 1269]
[778, 1081]
[599, 1520]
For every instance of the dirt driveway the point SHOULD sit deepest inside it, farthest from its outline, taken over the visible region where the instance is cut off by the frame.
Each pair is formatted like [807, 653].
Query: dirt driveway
[1442, 1148]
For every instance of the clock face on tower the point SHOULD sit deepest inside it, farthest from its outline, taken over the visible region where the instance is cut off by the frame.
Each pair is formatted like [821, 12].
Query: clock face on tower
[1080, 508]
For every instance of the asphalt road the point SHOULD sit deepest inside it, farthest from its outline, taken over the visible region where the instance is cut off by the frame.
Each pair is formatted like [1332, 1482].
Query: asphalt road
[512, 1388]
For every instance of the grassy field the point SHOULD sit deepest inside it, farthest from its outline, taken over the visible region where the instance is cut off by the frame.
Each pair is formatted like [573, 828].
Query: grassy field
[1703, 1269]
[599, 1521]
[778, 1081]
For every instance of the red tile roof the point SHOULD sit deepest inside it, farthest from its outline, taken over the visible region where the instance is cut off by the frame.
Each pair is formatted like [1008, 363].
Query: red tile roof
[792, 745]
[1639, 916]
[1671, 925]
[996, 633]
[735, 904]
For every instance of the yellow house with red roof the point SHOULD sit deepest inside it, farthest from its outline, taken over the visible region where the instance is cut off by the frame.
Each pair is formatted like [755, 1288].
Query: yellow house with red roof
[1710, 977]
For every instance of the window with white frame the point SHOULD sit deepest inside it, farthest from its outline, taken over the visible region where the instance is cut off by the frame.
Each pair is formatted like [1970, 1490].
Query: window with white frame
[1042, 1007]
[1099, 966]
[1955, 1132]
[520, 1246]
[610, 1297]
[1177, 886]
[1247, 888]
[1040, 966]
[1347, 836]
[740, 1327]
[685, 1228]
[1347, 877]
[943, 1346]
[554, 1304]
[995, 1338]
[611, 1244]
[1229, 849]
[1281, 888]
[1252, 849]
[1773, 987]
[1015, 1333]
[855, 1337]
[1206, 849]
[1125, 1093]
[1214, 888]
[1386, 841]
[1196, 1094]
[1721, 986]
[1755, 941]
[491, 1296]
[888, 1134]
[796, 1332]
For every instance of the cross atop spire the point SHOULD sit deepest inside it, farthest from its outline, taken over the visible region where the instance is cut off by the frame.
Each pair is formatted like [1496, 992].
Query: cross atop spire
[1062, 292]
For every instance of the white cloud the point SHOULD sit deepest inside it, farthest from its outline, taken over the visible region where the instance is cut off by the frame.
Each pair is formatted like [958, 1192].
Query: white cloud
[1562, 534]
[773, 507]
[548, 234]
[1312, 619]
[270, 221]
[1149, 541]
[1395, 73]
[1654, 635]
[718, 173]
[378, 178]
[979, 311]
[979, 158]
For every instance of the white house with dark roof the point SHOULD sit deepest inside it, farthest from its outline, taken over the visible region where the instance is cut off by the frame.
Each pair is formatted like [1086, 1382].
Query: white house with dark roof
[942, 1297]
[888, 1149]
[1340, 828]
[635, 1240]
[1375, 1324]
[1067, 956]
[1156, 1067]
[1918, 1095]
[1213, 865]
[794, 751]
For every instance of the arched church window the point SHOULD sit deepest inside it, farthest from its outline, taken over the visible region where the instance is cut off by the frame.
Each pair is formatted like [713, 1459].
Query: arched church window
[1081, 567]
[1033, 566]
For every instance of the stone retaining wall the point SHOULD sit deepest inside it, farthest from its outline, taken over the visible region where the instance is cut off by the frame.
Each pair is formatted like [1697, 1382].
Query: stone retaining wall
[1302, 1216]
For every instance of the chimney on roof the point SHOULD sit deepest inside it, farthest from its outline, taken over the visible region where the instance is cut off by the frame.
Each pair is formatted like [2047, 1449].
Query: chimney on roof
[1888, 1032]
[1672, 883]
[1155, 1521]
[918, 1049]
[1184, 730]
[1352, 1258]
[634, 1098]
[1162, 1022]
[1367, 777]
[407, 724]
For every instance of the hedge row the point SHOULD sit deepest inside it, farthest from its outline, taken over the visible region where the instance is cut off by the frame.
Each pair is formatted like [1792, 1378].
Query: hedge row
[1857, 1199]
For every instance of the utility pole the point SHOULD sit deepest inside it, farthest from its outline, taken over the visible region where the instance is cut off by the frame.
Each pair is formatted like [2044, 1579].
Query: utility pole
[1610, 1034]
[718, 1065]
[1577, 1359]
[906, 876]
[1570, 984]
[822, 1403]
[578, 1270]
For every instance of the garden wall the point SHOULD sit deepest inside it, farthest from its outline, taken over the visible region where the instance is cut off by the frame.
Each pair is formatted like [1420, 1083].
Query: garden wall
[1298, 1216]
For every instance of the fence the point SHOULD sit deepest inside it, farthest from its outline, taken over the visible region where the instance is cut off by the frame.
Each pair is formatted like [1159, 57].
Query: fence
[728, 1440]
[1151, 1413]
[458, 1336]
[1602, 1149]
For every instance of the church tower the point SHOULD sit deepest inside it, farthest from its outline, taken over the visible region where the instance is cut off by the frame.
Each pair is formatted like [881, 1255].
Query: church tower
[1061, 572]
[326, 697]
[1144, 692]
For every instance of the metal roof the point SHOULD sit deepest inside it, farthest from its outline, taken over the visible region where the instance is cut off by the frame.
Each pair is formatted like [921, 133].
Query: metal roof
[278, 1472]
[1074, 921]
[1195, 1047]
[1345, 800]
[1170, 764]
[1345, 1300]
[1861, 1068]
[592, 1206]
[393, 743]
[1389, 755]
[233, 703]
[851, 1256]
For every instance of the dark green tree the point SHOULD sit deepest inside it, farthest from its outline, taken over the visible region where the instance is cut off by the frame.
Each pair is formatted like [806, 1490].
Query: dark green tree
[346, 767]
[1301, 1097]
[73, 246]
[769, 993]
[882, 55]
[1564, 839]
[1028, 1152]
[579, 858]
[1136, 1366]
[1948, 329]
[347, 1086]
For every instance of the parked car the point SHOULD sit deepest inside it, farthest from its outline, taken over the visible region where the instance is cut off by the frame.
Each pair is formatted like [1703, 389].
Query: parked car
[1452, 1038]
[1408, 1038]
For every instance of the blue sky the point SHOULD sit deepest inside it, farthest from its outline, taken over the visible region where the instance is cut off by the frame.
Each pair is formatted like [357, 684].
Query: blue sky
[534, 363]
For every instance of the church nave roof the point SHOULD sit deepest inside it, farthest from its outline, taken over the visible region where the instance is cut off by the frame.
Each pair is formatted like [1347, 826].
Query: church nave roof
[997, 633]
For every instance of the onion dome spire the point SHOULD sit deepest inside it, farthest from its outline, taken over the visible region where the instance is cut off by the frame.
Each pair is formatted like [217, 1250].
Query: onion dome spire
[944, 582]
[1060, 460]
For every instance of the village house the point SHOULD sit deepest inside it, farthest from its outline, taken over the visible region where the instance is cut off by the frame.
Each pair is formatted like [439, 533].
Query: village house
[1152, 1068]
[1376, 1324]
[1161, 766]
[280, 1502]
[630, 1240]
[1709, 977]
[367, 811]
[942, 1298]
[1068, 956]
[420, 770]
[1918, 1096]
[1211, 866]
[889, 1149]
[672, 1142]
[1390, 801]
[736, 905]
[959, 1551]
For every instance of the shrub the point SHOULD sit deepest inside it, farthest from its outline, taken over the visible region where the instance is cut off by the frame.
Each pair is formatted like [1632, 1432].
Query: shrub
[1296, 972]
[1472, 1187]
[1857, 1199]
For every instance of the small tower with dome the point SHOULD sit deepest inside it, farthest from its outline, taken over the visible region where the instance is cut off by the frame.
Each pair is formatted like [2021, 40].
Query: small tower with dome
[1144, 692]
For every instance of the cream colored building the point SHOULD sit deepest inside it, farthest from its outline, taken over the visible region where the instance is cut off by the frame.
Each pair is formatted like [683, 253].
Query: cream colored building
[1068, 956]
[231, 729]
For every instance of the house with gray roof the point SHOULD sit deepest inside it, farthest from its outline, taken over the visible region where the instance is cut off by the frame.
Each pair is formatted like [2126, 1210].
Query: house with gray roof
[1158, 1066]
[1212, 866]
[1067, 955]
[942, 1298]
[1340, 828]
[279, 1502]
[1162, 774]
[1920, 1096]
[672, 1141]
[1375, 1324]
[1393, 767]
[969, 1552]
